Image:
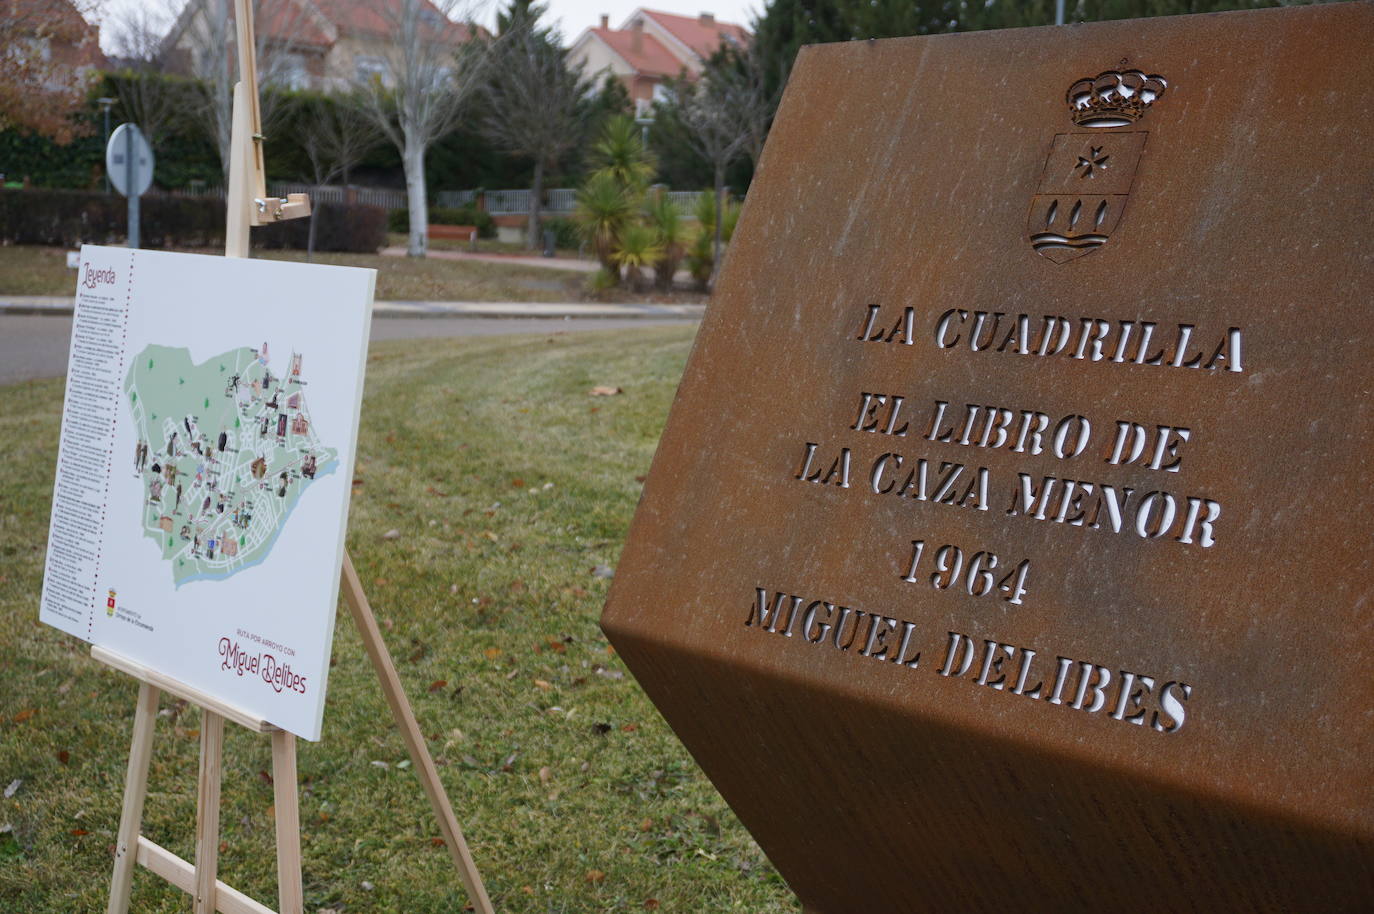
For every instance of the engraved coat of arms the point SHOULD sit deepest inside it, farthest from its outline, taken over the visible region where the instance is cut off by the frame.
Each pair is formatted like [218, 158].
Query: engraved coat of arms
[1087, 178]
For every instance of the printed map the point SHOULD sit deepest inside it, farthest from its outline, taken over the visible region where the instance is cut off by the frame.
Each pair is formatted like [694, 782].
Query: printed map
[225, 451]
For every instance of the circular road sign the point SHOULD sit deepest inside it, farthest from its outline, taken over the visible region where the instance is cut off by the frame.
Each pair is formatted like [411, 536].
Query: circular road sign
[128, 140]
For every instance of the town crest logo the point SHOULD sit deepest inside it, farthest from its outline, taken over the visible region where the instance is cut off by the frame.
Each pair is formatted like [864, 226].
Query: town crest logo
[1087, 177]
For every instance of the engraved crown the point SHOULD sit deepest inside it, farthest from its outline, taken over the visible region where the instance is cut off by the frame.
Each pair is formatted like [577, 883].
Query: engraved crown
[1114, 98]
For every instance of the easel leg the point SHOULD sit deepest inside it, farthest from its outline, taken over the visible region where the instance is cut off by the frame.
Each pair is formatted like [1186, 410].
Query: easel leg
[291, 898]
[414, 740]
[207, 811]
[135, 790]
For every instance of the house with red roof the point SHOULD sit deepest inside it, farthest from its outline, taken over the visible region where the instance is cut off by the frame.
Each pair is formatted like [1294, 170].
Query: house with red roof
[310, 44]
[652, 47]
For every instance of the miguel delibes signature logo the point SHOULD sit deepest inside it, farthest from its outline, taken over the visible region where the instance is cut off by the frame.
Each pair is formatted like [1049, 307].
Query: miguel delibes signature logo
[1087, 177]
[263, 665]
[94, 277]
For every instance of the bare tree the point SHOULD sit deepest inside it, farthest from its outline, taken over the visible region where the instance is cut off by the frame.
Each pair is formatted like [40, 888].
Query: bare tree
[336, 135]
[535, 104]
[44, 66]
[423, 80]
[717, 112]
[206, 32]
[149, 95]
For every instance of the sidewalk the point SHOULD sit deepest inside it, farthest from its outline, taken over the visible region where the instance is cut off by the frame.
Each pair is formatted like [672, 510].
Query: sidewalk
[62, 305]
[526, 260]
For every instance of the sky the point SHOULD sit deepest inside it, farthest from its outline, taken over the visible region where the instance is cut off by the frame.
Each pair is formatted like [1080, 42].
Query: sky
[570, 16]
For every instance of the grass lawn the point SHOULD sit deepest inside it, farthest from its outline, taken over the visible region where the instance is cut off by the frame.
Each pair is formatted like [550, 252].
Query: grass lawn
[508, 484]
[28, 270]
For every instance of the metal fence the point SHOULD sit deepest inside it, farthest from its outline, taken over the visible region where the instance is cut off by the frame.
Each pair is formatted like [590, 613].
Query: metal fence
[319, 193]
[452, 199]
[557, 201]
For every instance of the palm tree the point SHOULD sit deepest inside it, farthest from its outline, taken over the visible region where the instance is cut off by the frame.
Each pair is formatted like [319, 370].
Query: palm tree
[668, 226]
[620, 155]
[603, 211]
[638, 248]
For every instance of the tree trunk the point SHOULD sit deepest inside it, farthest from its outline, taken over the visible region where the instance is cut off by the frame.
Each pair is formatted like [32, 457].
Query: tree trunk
[536, 195]
[310, 238]
[720, 220]
[414, 161]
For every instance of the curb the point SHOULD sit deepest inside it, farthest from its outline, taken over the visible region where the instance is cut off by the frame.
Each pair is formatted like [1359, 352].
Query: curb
[63, 307]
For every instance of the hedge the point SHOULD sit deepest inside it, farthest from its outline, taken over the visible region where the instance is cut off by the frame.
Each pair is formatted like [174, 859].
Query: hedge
[399, 219]
[69, 218]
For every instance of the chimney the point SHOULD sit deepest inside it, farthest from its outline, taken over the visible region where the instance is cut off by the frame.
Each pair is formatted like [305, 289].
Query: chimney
[708, 20]
[637, 36]
[605, 21]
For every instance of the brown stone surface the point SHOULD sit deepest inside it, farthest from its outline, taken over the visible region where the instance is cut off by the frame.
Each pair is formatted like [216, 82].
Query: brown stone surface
[920, 173]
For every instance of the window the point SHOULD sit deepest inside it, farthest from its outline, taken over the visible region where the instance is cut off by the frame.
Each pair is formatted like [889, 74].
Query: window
[365, 68]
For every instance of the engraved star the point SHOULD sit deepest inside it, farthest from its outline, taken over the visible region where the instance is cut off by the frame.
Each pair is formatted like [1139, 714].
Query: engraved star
[1091, 162]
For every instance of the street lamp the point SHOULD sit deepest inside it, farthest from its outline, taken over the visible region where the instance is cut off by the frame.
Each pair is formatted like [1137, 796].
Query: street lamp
[105, 105]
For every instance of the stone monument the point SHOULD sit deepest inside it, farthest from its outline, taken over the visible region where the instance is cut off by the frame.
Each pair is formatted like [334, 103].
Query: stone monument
[1009, 541]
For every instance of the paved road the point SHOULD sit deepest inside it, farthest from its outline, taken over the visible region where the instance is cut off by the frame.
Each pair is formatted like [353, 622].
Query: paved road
[35, 346]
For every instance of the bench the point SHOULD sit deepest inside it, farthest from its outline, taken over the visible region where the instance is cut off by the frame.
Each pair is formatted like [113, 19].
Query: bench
[459, 232]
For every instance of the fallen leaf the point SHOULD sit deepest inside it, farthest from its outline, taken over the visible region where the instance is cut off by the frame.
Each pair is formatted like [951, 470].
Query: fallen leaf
[651, 904]
[79, 832]
[380, 582]
[602, 390]
[544, 774]
[630, 728]
[524, 888]
[14, 787]
[603, 571]
[224, 847]
[491, 536]
[543, 684]
[392, 534]
[640, 478]
[25, 715]
[437, 842]
[610, 674]
[437, 684]
[492, 653]
[377, 764]
[265, 777]
[517, 483]
[595, 876]
[646, 824]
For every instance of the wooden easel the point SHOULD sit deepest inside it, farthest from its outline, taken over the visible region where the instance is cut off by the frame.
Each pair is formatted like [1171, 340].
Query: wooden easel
[248, 205]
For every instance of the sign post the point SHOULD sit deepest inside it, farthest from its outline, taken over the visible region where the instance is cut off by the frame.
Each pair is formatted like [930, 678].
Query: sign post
[129, 166]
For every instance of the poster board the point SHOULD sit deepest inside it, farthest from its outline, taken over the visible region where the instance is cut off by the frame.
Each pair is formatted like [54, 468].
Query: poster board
[202, 484]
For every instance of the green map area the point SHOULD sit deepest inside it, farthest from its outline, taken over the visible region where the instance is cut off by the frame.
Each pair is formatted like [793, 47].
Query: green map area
[225, 450]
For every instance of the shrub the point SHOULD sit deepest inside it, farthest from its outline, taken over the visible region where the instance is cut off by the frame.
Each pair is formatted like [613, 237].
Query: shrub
[566, 235]
[354, 228]
[69, 218]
